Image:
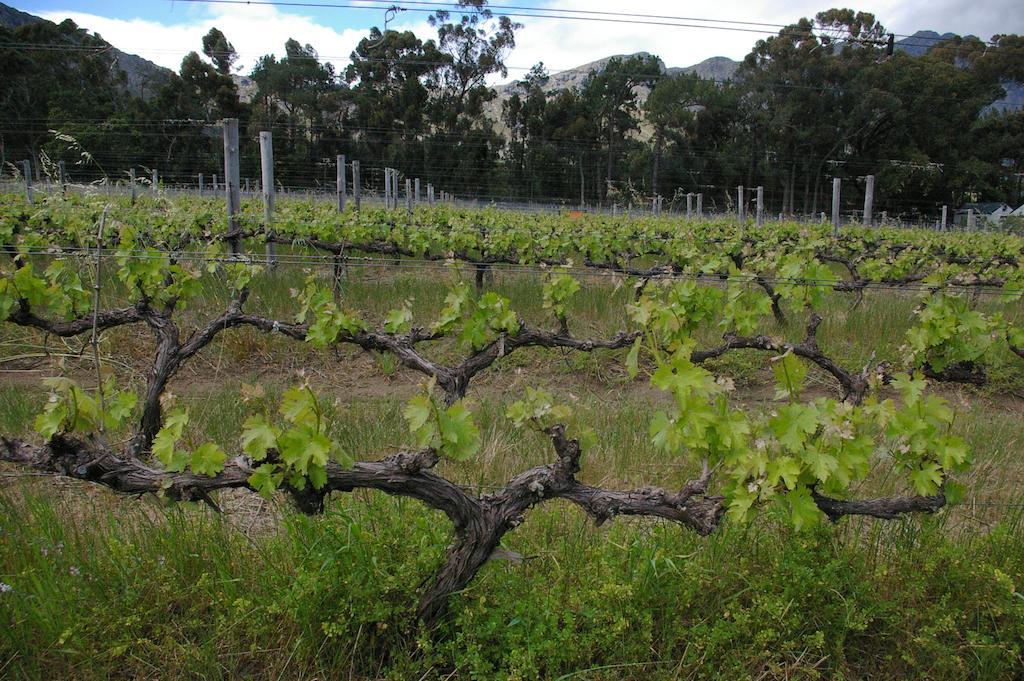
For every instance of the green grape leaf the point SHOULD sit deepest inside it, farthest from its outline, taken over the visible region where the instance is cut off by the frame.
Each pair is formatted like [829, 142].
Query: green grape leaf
[418, 414]
[632, 359]
[793, 424]
[664, 433]
[300, 407]
[399, 320]
[803, 512]
[166, 439]
[790, 373]
[927, 478]
[51, 420]
[119, 407]
[317, 476]
[265, 479]
[460, 438]
[785, 468]
[208, 459]
[909, 387]
[258, 436]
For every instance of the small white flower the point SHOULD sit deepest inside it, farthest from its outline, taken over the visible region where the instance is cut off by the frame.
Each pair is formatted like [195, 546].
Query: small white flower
[4, 588]
[74, 571]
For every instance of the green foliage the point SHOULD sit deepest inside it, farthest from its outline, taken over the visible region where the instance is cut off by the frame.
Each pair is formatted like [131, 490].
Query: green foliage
[477, 324]
[166, 440]
[558, 291]
[207, 459]
[61, 292]
[328, 320]
[399, 320]
[672, 312]
[745, 309]
[948, 332]
[790, 373]
[806, 283]
[299, 450]
[449, 431]
[71, 409]
[455, 305]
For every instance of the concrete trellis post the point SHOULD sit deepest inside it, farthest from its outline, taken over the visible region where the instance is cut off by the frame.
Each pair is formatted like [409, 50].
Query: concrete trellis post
[869, 198]
[945, 213]
[231, 178]
[689, 206]
[836, 190]
[408, 196]
[267, 180]
[341, 181]
[200, 184]
[26, 171]
[131, 182]
[700, 206]
[972, 224]
[356, 190]
[62, 169]
[430, 194]
[156, 179]
[760, 206]
[741, 206]
[416, 192]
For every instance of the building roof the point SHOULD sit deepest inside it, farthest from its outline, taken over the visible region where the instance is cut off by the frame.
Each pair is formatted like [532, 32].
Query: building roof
[986, 208]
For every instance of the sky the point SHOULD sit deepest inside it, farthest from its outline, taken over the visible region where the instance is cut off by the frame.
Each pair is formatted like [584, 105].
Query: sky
[164, 31]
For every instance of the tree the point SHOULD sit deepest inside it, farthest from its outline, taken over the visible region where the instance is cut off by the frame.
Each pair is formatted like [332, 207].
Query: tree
[611, 98]
[389, 80]
[672, 109]
[220, 51]
[301, 94]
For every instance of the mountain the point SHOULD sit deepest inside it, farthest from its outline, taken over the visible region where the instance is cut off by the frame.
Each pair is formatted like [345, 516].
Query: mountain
[714, 68]
[918, 44]
[12, 18]
[142, 77]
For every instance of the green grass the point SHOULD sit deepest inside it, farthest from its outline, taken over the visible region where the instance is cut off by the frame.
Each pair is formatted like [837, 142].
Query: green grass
[132, 590]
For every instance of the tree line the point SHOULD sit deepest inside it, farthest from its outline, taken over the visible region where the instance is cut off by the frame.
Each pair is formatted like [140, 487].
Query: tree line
[823, 98]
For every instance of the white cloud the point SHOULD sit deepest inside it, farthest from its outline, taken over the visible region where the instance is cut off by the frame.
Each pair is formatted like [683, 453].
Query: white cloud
[254, 30]
[257, 30]
[564, 44]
